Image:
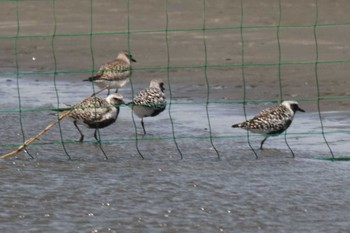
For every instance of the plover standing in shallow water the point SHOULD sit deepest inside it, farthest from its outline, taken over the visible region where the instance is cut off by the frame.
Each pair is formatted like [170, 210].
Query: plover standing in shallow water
[115, 73]
[272, 121]
[95, 113]
[149, 102]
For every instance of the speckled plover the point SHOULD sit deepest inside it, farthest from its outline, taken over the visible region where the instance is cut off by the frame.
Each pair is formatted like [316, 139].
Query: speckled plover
[95, 112]
[271, 121]
[149, 102]
[115, 73]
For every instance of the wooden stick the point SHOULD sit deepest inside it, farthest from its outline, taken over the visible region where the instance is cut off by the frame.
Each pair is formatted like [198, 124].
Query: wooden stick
[32, 139]
[93, 94]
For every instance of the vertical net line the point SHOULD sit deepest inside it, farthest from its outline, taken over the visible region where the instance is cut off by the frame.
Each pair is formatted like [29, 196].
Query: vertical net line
[243, 75]
[93, 62]
[55, 74]
[206, 79]
[17, 74]
[168, 79]
[279, 66]
[92, 70]
[131, 82]
[317, 80]
[279, 50]
[98, 134]
[91, 48]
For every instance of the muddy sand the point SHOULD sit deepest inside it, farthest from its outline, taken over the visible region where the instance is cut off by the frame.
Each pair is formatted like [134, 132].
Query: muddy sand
[162, 193]
[72, 53]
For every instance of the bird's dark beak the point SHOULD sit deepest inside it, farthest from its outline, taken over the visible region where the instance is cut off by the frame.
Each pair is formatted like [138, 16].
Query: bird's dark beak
[121, 102]
[130, 104]
[132, 59]
[299, 109]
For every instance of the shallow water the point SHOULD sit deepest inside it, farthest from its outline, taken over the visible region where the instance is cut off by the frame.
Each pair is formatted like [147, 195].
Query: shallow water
[162, 193]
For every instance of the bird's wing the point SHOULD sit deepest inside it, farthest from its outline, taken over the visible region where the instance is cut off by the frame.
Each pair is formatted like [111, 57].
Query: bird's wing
[151, 97]
[91, 108]
[113, 68]
[272, 120]
[268, 111]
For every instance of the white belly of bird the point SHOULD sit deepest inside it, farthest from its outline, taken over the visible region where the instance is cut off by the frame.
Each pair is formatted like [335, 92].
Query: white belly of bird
[106, 116]
[111, 84]
[260, 131]
[143, 111]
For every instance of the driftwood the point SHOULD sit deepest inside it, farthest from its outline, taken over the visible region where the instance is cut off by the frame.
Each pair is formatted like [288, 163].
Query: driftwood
[32, 139]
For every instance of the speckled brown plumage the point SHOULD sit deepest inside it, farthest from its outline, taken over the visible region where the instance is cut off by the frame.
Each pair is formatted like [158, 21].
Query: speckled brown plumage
[95, 112]
[149, 102]
[271, 121]
[115, 73]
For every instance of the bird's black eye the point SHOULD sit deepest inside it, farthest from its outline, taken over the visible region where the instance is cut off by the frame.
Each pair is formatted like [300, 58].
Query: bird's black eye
[294, 107]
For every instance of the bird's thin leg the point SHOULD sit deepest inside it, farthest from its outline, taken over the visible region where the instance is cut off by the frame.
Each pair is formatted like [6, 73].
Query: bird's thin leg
[285, 139]
[108, 92]
[95, 135]
[98, 139]
[143, 127]
[116, 90]
[81, 134]
[262, 142]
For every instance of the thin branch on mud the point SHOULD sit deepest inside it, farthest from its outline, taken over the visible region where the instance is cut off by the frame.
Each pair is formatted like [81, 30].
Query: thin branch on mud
[32, 139]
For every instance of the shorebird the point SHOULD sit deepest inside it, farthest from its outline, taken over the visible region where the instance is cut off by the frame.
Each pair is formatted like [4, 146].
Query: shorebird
[272, 121]
[95, 113]
[150, 101]
[115, 73]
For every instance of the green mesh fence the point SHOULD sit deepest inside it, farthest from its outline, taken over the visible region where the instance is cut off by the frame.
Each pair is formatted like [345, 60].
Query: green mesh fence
[230, 54]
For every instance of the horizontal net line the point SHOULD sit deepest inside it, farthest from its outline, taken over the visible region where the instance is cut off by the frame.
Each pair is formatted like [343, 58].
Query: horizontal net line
[140, 31]
[132, 139]
[232, 28]
[239, 65]
[246, 101]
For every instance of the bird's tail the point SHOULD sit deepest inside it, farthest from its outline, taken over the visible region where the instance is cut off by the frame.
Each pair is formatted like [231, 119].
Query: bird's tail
[236, 125]
[90, 79]
[67, 107]
[61, 109]
[56, 111]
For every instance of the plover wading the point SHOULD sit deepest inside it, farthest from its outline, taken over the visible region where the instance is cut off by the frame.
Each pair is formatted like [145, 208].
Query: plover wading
[95, 112]
[272, 121]
[149, 102]
[115, 73]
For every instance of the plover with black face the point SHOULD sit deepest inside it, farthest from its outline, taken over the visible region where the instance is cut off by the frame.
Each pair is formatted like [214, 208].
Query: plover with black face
[115, 73]
[272, 121]
[95, 113]
[149, 102]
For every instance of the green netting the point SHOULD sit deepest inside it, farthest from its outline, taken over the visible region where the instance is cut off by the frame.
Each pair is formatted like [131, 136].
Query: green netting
[204, 32]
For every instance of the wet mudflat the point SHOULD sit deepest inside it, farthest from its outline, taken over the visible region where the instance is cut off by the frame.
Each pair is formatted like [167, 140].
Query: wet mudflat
[196, 194]
[163, 193]
[200, 193]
